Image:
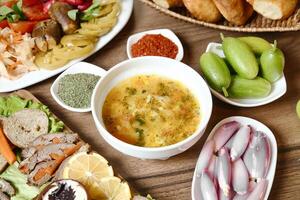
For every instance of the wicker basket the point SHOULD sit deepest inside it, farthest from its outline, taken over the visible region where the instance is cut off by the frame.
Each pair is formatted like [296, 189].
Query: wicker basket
[257, 23]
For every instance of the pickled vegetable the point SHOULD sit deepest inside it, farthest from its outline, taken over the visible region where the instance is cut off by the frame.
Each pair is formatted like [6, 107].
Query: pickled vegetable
[245, 88]
[272, 64]
[240, 56]
[60, 55]
[215, 71]
[258, 45]
[77, 40]
[49, 61]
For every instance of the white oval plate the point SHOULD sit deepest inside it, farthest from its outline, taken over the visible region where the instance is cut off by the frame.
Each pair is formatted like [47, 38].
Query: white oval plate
[40, 75]
[80, 67]
[165, 32]
[278, 88]
[259, 127]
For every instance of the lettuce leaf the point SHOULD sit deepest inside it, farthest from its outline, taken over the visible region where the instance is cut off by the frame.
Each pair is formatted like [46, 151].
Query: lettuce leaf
[19, 181]
[12, 104]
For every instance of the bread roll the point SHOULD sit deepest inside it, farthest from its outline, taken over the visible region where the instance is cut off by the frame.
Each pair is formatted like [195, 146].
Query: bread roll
[274, 9]
[204, 10]
[169, 3]
[235, 11]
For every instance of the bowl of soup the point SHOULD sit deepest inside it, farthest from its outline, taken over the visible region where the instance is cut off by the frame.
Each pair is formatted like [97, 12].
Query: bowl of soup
[151, 107]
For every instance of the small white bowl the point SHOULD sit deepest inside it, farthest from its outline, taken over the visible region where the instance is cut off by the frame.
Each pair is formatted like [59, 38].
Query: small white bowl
[165, 32]
[259, 127]
[165, 67]
[278, 88]
[81, 67]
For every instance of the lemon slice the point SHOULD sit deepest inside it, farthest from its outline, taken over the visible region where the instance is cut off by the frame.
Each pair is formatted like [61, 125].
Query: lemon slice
[88, 169]
[112, 188]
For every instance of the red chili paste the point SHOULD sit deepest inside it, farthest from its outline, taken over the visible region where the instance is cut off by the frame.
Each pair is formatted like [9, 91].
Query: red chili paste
[154, 45]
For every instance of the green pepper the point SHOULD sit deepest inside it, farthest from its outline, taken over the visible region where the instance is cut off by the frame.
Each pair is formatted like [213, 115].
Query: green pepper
[245, 88]
[272, 63]
[240, 56]
[215, 72]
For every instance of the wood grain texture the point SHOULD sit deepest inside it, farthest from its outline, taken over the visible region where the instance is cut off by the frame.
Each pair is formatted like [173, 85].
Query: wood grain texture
[171, 179]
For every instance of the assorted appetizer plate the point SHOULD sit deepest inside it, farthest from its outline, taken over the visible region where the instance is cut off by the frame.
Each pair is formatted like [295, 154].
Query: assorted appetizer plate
[80, 67]
[164, 32]
[279, 88]
[40, 75]
[196, 195]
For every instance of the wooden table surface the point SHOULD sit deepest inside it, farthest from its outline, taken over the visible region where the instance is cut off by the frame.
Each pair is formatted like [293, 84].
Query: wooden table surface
[171, 179]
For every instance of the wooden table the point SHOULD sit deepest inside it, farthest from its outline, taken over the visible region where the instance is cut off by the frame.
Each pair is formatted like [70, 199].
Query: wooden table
[171, 179]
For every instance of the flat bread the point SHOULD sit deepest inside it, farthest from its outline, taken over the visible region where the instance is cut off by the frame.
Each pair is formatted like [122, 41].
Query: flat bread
[24, 126]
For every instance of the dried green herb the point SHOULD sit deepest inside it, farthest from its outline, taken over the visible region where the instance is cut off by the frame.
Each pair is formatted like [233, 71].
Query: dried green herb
[76, 90]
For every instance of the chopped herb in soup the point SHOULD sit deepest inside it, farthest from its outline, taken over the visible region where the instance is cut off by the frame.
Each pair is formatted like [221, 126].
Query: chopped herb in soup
[151, 111]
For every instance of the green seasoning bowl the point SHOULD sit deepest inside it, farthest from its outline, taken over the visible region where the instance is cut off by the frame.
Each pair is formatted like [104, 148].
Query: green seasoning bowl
[81, 67]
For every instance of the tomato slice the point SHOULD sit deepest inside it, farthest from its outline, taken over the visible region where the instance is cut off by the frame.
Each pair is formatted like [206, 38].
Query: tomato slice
[75, 2]
[47, 4]
[3, 23]
[85, 5]
[30, 2]
[35, 12]
[23, 26]
[8, 3]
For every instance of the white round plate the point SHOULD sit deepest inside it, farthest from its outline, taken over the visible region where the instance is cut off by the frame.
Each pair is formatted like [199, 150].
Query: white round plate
[165, 32]
[278, 88]
[40, 75]
[80, 67]
[257, 126]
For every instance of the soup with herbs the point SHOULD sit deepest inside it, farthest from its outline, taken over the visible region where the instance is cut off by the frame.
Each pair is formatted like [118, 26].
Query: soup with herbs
[151, 111]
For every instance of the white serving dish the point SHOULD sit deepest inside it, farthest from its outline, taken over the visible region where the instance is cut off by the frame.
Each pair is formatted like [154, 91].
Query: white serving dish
[80, 67]
[259, 127]
[279, 88]
[165, 32]
[40, 75]
[169, 68]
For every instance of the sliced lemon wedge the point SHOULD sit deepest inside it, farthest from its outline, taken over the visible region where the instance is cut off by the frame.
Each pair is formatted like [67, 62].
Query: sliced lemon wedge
[88, 169]
[112, 188]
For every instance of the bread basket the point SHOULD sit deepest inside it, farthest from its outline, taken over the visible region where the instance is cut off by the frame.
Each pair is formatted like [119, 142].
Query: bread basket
[257, 23]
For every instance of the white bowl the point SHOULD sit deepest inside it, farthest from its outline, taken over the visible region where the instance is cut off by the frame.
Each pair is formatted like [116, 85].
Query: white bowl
[165, 32]
[259, 127]
[81, 67]
[160, 66]
[278, 88]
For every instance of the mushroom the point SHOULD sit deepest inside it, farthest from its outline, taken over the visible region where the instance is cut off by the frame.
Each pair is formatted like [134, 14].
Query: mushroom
[47, 34]
[59, 12]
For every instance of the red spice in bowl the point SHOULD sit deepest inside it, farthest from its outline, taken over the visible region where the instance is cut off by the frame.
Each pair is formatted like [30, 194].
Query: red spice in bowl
[154, 45]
